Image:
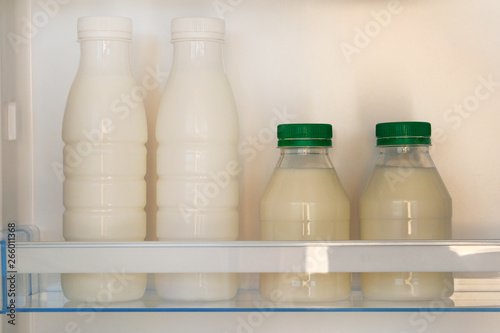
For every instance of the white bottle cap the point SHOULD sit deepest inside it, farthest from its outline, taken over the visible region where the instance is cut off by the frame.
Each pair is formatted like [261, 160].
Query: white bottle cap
[104, 27]
[198, 28]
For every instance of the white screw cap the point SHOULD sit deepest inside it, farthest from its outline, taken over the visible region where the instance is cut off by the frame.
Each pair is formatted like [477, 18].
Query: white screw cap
[104, 27]
[198, 28]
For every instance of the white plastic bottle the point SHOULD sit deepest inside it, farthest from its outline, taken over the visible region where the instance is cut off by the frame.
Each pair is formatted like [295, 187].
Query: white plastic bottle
[197, 159]
[104, 131]
[405, 199]
[305, 201]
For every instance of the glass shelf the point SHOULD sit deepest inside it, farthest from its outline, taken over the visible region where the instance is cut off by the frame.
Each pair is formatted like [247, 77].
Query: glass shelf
[476, 266]
[250, 301]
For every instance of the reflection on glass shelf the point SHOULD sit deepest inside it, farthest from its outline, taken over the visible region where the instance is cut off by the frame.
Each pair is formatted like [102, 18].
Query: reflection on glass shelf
[475, 282]
[250, 301]
[477, 290]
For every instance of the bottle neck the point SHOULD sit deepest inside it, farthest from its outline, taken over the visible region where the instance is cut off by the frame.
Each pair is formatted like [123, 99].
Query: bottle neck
[304, 158]
[105, 57]
[199, 55]
[408, 156]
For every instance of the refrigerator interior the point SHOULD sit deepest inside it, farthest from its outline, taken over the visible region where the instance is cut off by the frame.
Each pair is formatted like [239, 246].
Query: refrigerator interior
[349, 63]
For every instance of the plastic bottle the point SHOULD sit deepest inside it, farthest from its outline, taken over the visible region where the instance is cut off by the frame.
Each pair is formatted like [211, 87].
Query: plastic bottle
[104, 131]
[197, 159]
[304, 201]
[405, 199]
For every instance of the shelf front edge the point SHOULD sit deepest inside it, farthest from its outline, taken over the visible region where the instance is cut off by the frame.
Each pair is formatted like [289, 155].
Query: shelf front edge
[258, 257]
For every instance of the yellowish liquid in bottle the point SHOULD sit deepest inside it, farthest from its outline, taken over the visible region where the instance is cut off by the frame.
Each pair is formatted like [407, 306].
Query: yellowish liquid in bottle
[305, 204]
[406, 204]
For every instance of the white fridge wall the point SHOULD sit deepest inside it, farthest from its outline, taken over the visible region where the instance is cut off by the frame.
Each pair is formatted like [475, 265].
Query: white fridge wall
[351, 64]
[17, 155]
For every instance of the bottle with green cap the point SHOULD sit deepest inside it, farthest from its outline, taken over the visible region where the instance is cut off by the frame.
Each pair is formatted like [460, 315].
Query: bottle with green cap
[304, 201]
[405, 199]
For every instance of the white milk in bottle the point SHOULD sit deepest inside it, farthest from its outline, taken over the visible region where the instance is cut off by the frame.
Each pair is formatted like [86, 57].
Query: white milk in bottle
[405, 199]
[197, 159]
[104, 131]
[304, 200]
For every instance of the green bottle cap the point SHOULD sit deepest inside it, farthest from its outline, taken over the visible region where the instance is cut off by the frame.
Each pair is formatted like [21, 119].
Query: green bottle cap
[403, 133]
[305, 135]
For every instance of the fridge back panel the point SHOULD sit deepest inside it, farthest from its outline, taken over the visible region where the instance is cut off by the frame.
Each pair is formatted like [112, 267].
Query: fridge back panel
[349, 64]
